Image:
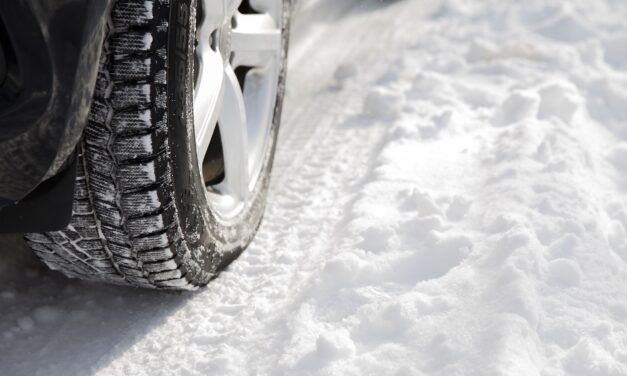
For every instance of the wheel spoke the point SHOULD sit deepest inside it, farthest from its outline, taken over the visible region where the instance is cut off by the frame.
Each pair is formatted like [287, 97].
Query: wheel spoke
[213, 17]
[207, 99]
[231, 6]
[256, 39]
[226, 40]
[234, 132]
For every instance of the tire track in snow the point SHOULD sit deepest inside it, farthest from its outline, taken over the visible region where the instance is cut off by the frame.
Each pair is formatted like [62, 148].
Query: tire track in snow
[322, 153]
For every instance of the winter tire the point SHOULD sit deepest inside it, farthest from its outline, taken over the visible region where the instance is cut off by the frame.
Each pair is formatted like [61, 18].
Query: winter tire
[174, 164]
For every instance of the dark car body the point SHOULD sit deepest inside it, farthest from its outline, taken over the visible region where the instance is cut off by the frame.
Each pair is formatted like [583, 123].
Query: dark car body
[49, 55]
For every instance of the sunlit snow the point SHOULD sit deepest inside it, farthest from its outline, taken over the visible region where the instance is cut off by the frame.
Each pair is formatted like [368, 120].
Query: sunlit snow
[449, 198]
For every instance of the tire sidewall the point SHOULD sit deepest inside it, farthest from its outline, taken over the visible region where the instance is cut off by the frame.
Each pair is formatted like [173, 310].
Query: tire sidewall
[211, 243]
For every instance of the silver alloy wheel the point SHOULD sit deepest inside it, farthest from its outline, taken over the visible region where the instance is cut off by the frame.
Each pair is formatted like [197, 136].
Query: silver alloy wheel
[231, 37]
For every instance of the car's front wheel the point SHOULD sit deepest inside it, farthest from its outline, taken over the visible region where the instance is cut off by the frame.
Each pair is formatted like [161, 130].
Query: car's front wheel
[175, 160]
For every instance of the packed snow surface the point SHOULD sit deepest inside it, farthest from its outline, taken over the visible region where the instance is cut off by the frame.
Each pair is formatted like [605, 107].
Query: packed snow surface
[449, 198]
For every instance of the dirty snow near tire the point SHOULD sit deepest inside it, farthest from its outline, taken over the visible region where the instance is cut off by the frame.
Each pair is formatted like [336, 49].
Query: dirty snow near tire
[449, 198]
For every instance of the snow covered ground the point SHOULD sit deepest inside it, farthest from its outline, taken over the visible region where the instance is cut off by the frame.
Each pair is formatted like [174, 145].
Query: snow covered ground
[450, 198]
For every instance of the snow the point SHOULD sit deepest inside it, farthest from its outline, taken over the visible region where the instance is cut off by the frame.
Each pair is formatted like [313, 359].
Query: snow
[147, 43]
[449, 198]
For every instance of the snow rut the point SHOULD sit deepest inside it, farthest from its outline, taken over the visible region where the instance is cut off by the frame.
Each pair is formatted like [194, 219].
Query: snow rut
[322, 162]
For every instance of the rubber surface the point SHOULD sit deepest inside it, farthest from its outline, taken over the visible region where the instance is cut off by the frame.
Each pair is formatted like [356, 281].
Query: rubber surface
[140, 215]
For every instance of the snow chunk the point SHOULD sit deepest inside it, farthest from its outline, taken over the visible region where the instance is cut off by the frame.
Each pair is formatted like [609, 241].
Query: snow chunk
[482, 50]
[561, 100]
[607, 101]
[589, 358]
[618, 157]
[436, 258]
[502, 223]
[377, 238]
[388, 320]
[420, 226]
[565, 246]
[345, 270]
[615, 52]
[567, 27]
[519, 296]
[417, 201]
[147, 41]
[518, 106]
[343, 73]
[564, 273]
[563, 334]
[458, 208]
[335, 344]
[382, 103]
[148, 5]
[429, 86]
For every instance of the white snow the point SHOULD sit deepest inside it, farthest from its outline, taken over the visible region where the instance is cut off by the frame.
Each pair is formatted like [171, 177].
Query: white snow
[147, 44]
[449, 198]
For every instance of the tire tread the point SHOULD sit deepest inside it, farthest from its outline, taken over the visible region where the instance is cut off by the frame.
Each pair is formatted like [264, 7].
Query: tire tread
[124, 228]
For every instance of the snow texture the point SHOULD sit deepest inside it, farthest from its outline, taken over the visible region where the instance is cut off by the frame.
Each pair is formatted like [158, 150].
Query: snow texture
[449, 198]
